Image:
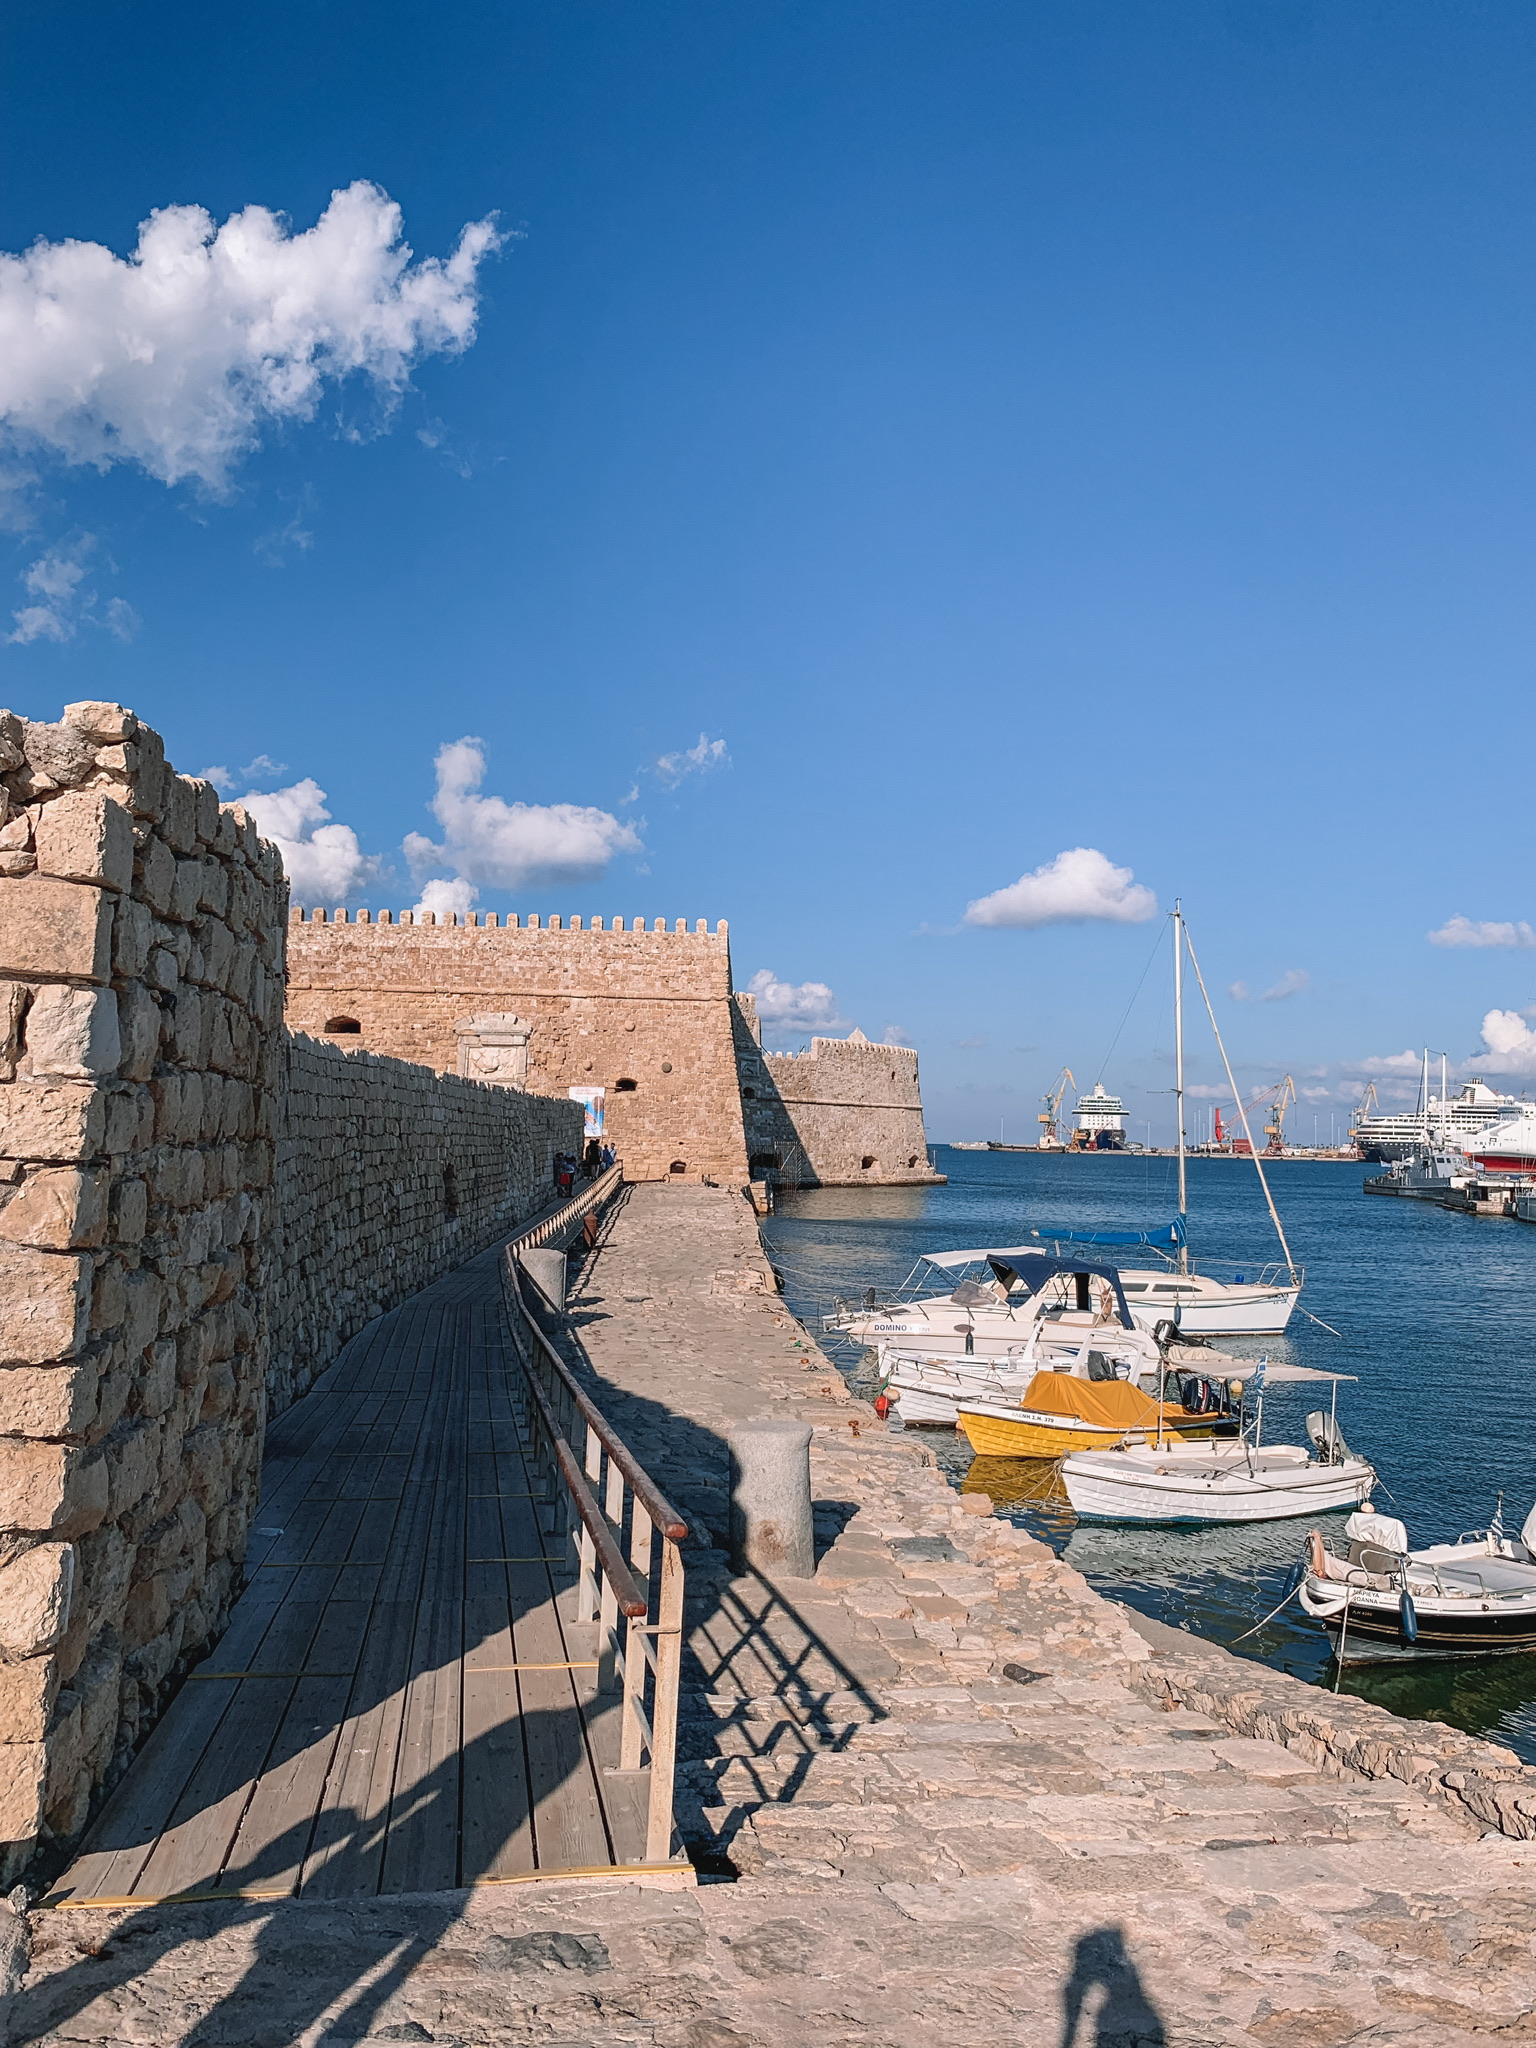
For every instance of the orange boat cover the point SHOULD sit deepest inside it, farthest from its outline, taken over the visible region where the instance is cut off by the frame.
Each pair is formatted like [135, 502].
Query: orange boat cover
[1111, 1404]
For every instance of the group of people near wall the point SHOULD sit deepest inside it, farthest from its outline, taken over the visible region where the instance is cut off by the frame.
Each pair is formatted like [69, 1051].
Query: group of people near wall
[595, 1159]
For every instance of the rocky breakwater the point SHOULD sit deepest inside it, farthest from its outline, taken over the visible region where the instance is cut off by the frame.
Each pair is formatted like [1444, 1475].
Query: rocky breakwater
[141, 990]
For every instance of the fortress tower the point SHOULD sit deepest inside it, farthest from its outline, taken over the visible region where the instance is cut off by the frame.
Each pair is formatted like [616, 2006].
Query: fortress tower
[643, 1014]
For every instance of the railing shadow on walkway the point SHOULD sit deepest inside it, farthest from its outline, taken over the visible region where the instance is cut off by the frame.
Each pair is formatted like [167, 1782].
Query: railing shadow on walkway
[770, 1649]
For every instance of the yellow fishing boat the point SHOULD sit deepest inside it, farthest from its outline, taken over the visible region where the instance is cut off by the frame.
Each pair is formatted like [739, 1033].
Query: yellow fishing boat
[1062, 1413]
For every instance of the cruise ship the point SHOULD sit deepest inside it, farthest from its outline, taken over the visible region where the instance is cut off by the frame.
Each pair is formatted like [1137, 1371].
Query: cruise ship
[1099, 1122]
[1457, 1116]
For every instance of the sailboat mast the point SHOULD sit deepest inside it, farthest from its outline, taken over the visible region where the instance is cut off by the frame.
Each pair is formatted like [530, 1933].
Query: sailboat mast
[1178, 1073]
[1274, 1213]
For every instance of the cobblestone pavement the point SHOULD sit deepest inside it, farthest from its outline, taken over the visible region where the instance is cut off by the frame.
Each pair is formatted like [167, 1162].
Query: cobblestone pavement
[957, 1811]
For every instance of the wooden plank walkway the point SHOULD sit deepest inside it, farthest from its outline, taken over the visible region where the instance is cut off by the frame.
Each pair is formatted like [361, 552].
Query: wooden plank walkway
[401, 1702]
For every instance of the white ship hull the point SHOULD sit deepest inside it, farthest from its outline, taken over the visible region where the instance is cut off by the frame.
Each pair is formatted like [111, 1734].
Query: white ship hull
[1209, 1482]
[1232, 1312]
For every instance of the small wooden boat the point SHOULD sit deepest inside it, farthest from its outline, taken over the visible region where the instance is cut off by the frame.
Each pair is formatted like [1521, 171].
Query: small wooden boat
[1381, 1601]
[1241, 1479]
[1227, 1481]
[1061, 1412]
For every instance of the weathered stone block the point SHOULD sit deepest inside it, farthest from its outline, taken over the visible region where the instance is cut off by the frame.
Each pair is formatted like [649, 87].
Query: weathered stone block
[139, 1022]
[49, 1400]
[27, 1692]
[35, 1593]
[23, 1767]
[72, 1034]
[57, 1207]
[43, 1301]
[53, 930]
[106, 724]
[157, 875]
[85, 836]
[133, 928]
[51, 1120]
[50, 1488]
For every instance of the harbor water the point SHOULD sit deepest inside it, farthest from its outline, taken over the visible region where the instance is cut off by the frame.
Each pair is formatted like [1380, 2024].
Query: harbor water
[1433, 1312]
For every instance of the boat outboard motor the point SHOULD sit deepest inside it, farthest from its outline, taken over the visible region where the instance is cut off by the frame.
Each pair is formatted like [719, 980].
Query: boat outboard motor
[1327, 1438]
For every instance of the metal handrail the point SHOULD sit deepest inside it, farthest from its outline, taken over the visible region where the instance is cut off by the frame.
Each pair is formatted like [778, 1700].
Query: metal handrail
[637, 1603]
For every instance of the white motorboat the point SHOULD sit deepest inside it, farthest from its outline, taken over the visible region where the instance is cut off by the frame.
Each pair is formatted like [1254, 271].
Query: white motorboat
[996, 1317]
[1228, 1479]
[1203, 1307]
[1381, 1601]
[922, 1384]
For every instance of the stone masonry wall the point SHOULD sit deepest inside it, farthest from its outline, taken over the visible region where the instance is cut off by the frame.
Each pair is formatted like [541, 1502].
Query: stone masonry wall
[389, 1175]
[141, 991]
[845, 1114]
[185, 1195]
[645, 1014]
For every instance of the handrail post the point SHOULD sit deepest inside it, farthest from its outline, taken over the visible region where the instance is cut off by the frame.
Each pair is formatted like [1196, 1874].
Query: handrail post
[608, 1605]
[587, 1603]
[631, 1733]
[669, 1663]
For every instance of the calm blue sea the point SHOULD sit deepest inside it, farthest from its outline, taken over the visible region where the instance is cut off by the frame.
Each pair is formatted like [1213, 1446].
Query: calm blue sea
[1434, 1313]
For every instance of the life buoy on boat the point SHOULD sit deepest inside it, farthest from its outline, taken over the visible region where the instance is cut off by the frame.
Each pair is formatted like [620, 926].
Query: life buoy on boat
[1317, 1555]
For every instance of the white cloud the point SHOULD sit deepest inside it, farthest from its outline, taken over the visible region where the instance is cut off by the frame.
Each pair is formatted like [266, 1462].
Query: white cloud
[1076, 886]
[1511, 1044]
[1468, 931]
[794, 1006]
[1376, 1065]
[324, 861]
[671, 768]
[497, 845]
[1291, 983]
[64, 600]
[295, 533]
[455, 898]
[177, 356]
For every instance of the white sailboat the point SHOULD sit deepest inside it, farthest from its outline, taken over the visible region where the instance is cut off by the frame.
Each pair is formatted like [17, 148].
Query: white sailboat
[991, 1319]
[1200, 1305]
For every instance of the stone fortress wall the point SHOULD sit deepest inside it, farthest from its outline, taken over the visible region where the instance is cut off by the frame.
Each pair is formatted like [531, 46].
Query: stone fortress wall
[643, 1013]
[141, 978]
[848, 1113]
[188, 1200]
[387, 1176]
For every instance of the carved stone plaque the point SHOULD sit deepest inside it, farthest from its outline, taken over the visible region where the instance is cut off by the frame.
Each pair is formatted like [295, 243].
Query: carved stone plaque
[494, 1047]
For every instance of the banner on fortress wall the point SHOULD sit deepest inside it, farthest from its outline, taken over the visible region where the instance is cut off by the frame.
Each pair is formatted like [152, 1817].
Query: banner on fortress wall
[591, 1100]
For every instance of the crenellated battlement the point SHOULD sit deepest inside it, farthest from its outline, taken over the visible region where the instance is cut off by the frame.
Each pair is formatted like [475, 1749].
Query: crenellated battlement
[488, 920]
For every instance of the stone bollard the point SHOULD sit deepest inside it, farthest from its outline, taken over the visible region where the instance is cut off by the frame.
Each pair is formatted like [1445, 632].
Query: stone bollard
[546, 1269]
[771, 1525]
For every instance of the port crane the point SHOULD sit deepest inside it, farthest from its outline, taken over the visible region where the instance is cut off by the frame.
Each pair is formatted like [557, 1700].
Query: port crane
[1274, 1130]
[1280, 1095]
[1050, 1137]
[1366, 1103]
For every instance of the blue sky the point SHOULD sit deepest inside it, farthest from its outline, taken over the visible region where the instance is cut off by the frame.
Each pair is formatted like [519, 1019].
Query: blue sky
[1008, 430]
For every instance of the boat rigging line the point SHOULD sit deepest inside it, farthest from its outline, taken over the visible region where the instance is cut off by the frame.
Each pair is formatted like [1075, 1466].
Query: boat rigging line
[1274, 1213]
